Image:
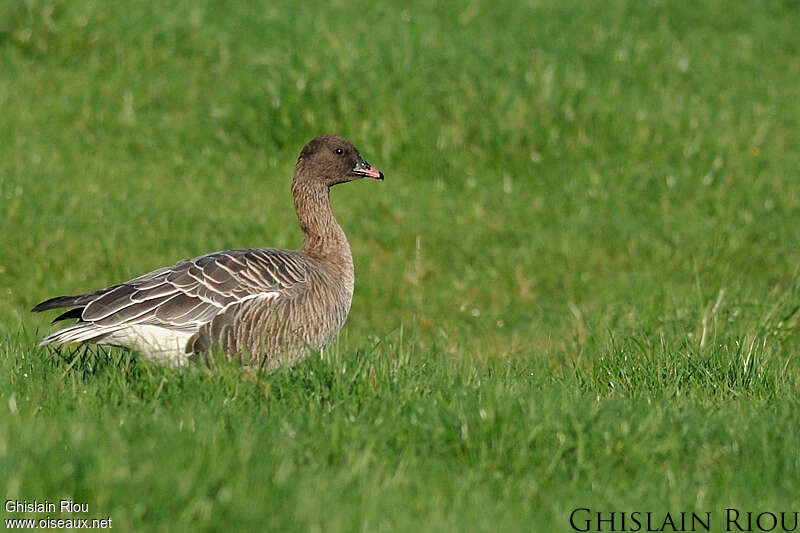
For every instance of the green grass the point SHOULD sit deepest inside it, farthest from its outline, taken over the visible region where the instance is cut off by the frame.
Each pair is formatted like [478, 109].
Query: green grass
[578, 286]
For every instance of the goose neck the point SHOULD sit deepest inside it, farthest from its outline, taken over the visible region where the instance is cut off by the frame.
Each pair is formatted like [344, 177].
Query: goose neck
[324, 238]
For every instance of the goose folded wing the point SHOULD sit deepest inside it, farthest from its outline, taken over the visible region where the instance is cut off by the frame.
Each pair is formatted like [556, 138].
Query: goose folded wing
[192, 292]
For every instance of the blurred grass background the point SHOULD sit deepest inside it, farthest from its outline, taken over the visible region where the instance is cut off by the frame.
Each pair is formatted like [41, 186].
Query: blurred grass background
[585, 253]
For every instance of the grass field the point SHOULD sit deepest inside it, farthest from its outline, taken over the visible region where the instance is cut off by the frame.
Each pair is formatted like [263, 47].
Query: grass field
[577, 287]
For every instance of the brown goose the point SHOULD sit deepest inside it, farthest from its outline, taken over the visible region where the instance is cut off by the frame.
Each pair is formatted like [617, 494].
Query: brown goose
[268, 306]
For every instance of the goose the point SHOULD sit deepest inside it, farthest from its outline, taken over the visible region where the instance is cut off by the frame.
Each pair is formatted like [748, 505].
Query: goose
[265, 306]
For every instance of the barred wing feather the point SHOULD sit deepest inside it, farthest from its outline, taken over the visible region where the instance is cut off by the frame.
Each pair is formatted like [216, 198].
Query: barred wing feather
[192, 292]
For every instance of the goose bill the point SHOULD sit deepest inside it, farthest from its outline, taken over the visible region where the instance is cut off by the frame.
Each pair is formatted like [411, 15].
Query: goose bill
[365, 169]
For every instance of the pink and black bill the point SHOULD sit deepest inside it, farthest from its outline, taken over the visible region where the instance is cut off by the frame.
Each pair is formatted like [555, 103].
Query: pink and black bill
[363, 168]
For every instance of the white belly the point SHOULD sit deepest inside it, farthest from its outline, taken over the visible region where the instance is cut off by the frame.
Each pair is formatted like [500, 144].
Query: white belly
[156, 344]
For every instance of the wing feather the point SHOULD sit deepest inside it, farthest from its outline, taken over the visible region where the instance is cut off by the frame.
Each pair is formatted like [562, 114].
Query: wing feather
[177, 306]
[128, 311]
[192, 292]
[199, 314]
[156, 291]
[180, 277]
[109, 303]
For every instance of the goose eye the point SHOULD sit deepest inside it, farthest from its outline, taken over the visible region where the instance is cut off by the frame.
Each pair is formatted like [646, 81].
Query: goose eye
[339, 151]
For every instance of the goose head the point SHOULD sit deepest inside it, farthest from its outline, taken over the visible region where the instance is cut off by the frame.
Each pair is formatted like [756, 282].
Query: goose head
[332, 159]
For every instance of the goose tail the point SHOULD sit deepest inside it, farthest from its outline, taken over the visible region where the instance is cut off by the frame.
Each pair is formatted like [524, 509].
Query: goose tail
[78, 333]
